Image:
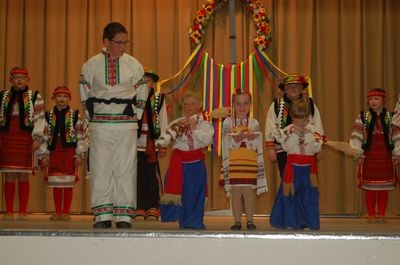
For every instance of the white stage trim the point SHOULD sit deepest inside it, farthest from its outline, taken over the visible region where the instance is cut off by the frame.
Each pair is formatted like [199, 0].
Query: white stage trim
[115, 247]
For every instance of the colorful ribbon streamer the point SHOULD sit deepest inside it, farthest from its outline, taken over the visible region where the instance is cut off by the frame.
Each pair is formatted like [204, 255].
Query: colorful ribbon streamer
[220, 81]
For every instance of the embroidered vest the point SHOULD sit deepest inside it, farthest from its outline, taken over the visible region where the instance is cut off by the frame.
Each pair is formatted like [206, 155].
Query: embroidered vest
[62, 123]
[281, 107]
[26, 100]
[152, 110]
[368, 119]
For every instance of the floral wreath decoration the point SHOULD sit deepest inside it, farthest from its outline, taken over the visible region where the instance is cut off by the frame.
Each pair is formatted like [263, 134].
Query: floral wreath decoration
[263, 28]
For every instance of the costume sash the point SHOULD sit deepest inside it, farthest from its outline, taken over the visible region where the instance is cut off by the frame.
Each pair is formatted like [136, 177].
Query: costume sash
[174, 179]
[293, 159]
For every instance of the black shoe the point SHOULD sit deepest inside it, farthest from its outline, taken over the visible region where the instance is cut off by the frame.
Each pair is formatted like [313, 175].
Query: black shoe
[236, 226]
[102, 224]
[124, 225]
[251, 226]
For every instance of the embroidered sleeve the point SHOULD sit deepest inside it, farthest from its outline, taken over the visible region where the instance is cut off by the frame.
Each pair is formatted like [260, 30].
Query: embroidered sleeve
[43, 149]
[357, 136]
[39, 121]
[163, 117]
[281, 135]
[313, 143]
[141, 97]
[396, 113]
[82, 137]
[396, 140]
[84, 87]
[39, 132]
[203, 134]
[169, 135]
[142, 90]
[316, 121]
[270, 125]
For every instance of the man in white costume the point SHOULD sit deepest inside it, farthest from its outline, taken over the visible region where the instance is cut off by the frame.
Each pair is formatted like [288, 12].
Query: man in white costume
[396, 114]
[113, 94]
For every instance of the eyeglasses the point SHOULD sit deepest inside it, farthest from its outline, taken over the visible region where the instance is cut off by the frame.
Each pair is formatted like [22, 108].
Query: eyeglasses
[120, 43]
[19, 77]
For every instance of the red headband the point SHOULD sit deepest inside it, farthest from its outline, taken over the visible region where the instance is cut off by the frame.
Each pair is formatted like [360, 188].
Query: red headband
[238, 91]
[376, 93]
[61, 90]
[18, 71]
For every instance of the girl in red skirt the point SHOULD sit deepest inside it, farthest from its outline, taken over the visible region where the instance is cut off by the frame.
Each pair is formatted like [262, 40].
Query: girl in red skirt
[378, 144]
[21, 139]
[68, 145]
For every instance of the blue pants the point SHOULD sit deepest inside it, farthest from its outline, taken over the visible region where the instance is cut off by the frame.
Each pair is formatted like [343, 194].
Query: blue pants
[191, 213]
[299, 210]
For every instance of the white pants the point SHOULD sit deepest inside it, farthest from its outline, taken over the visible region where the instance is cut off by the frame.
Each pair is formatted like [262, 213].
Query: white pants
[113, 163]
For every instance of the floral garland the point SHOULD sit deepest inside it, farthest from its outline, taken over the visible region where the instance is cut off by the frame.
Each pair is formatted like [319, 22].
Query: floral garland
[263, 29]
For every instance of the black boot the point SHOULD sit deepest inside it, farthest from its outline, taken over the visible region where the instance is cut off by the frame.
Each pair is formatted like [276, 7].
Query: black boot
[125, 225]
[102, 224]
[251, 226]
[236, 226]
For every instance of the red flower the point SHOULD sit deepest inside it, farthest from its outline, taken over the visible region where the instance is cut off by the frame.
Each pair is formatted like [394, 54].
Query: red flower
[201, 13]
[253, 6]
[196, 27]
[209, 9]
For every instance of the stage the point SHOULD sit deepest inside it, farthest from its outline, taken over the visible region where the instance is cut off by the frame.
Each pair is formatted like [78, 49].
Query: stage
[341, 240]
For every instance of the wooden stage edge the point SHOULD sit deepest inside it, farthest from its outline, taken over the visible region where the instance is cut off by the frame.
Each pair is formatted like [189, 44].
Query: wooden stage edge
[341, 240]
[332, 227]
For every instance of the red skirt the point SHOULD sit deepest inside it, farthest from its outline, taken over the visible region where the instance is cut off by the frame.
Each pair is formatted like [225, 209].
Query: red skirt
[61, 171]
[16, 148]
[378, 172]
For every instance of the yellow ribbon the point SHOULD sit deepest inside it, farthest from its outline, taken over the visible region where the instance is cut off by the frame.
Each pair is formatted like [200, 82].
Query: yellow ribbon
[189, 60]
[309, 88]
[308, 79]
[271, 63]
[251, 90]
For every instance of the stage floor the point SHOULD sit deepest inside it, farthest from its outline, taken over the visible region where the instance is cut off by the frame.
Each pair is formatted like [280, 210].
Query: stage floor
[341, 240]
[344, 226]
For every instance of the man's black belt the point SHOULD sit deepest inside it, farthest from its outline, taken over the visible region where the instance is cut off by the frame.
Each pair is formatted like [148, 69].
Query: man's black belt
[128, 110]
